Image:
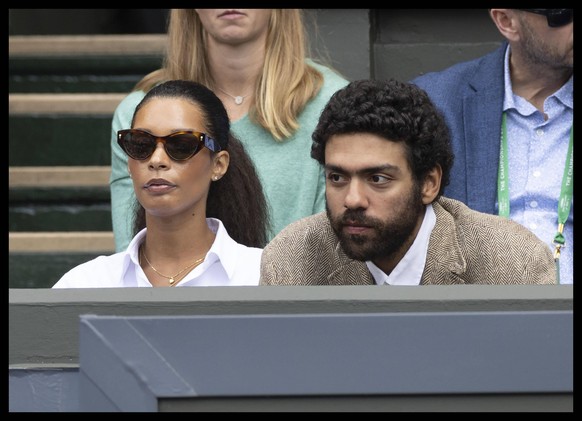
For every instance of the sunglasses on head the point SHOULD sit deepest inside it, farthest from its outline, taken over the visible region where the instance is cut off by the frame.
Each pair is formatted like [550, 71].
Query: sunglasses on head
[179, 146]
[555, 17]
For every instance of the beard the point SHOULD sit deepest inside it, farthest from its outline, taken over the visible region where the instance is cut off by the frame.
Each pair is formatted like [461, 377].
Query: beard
[388, 236]
[539, 53]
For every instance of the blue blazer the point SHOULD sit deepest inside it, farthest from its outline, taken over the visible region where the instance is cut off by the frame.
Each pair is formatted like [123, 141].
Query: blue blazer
[470, 95]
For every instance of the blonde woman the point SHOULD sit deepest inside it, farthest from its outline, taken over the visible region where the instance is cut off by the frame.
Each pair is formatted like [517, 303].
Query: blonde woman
[256, 61]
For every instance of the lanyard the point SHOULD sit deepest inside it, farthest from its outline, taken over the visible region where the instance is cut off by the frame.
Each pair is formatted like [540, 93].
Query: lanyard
[566, 192]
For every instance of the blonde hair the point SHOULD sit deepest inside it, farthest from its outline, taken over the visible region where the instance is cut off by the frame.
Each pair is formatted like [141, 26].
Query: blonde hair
[283, 88]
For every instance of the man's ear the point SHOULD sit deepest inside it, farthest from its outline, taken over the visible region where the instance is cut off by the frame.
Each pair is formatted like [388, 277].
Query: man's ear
[431, 185]
[506, 22]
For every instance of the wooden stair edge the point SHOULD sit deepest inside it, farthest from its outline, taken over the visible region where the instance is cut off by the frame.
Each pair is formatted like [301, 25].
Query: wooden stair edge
[87, 45]
[67, 242]
[59, 103]
[59, 176]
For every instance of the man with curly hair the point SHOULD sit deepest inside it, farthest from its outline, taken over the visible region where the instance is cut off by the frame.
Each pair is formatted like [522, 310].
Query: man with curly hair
[386, 153]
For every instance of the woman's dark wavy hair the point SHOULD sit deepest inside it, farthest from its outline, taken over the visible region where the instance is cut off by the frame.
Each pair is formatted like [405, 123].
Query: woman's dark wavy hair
[237, 199]
[397, 111]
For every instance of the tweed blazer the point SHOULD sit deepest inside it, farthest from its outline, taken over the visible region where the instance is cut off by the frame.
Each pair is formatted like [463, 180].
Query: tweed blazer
[465, 247]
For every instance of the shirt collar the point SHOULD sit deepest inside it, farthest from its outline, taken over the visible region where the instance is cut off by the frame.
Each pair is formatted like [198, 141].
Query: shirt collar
[509, 100]
[223, 251]
[224, 248]
[565, 94]
[410, 268]
[131, 260]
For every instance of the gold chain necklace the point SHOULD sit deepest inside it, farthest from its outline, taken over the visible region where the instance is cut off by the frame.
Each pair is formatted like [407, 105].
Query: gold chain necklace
[172, 279]
[238, 100]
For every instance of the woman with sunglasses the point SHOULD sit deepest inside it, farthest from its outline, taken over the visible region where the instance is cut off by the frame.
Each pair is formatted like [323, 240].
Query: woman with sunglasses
[201, 215]
[255, 61]
[511, 113]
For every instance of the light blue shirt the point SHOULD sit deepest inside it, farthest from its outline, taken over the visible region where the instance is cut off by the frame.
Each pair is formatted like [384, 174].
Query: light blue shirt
[536, 150]
[409, 270]
[227, 263]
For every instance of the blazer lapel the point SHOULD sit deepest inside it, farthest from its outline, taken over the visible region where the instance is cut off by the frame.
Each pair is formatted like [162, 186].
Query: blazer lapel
[349, 272]
[483, 112]
[445, 264]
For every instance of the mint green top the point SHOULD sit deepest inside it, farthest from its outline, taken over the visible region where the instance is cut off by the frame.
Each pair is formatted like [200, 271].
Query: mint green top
[293, 182]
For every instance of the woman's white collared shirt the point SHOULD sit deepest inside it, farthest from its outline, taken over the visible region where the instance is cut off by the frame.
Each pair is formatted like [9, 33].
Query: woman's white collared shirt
[227, 263]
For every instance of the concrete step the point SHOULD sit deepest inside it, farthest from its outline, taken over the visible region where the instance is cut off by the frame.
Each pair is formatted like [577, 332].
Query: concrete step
[63, 92]
[38, 260]
[86, 45]
[58, 176]
[68, 103]
[75, 129]
[59, 199]
[78, 242]
[83, 63]
[43, 269]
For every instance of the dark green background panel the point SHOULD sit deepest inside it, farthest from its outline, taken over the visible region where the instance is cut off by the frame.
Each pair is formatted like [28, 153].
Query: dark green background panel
[42, 270]
[100, 74]
[65, 217]
[62, 140]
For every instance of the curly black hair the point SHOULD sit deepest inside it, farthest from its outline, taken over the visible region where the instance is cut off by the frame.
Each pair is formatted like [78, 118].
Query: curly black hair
[237, 199]
[396, 111]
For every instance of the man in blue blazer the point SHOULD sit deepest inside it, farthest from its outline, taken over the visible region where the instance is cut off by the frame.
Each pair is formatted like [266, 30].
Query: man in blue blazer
[529, 79]
[470, 95]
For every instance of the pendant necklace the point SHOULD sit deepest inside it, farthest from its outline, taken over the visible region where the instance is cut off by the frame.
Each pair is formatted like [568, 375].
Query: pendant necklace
[172, 279]
[238, 100]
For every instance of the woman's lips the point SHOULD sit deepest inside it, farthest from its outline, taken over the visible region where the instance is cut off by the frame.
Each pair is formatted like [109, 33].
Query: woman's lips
[159, 186]
[231, 14]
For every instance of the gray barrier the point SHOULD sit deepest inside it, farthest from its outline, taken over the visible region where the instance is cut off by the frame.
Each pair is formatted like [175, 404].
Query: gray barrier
[44, 328]
[129, 364]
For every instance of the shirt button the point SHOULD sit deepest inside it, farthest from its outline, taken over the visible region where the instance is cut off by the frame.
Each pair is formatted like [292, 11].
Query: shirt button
[533, 226]
[537, 173]
[533, 204]
[540, 132]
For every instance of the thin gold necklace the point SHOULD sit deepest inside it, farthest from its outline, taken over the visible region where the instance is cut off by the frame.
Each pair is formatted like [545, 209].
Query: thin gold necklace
[238, 100]
[172, 279]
